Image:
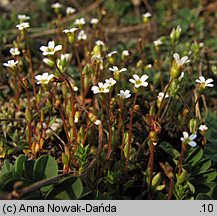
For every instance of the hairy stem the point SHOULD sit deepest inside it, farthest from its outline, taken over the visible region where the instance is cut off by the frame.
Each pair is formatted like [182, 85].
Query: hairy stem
[130, 131]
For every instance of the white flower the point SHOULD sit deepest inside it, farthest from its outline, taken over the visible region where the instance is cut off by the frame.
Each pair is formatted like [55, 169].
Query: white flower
[180, 61]
[110, 81]
[77, 115]
[206, 83]
[44, 78]
[94, 21]
[75, 88]
[125, 53]
[137, 81]
[82, 35]
[203, 127]
[71, 30]
[115, 69]
[100, 43]
[201, 44]
[80, 22]
[54, 126]
[111, 54]
[149, 66]
[11, 64]
[146, 15]
[189, 140]
[70, 10]
[76, 120]
[50, 49]
[161, 95]
[158, 42]
[124, 94]
[23, 17]
[56, 5]
[97, 58]
[14, 51]
[103, 88]
[64, 59]
[97, 122]
[22, 26]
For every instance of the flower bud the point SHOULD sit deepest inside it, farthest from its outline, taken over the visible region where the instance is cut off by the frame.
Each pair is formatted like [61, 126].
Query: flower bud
[57, 104]
[176, 70]
[96, 50]
[153, 137]
[111, 60]
[49, 62]
[136, 108]
[185, 113]
[193, 125]
[77, 114]
[139, 64]
[156, 180]
[175, 34]
[183, 177]
[152, 110]
[28, 114]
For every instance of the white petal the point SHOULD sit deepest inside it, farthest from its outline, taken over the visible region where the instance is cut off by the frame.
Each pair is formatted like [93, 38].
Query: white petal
[144, 77]
[115, 68]
[106, 85]
[198, 81]
[38, 77]
[132, 81]
[100, 84]
[106, 90]
[94, 88]
[209, 80]
[192, 144]
[43, 48]
[123, 69]
[58, 47]
[176, 56]
[45, 75]
[193, 136]
[202, 79]
[184, 59]
[137, 85]
[145, 84]
[50, 76]
[185, 134]
[136, 77]
[51, 44]
[209, 85]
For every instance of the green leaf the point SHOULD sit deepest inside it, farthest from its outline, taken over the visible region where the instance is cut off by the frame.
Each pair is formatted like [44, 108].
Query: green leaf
[28, 168]
[69, 188]
[201, 166]
[194, 156]
[168, 148]
[204, 177]
[210, 151]
[5, 177]
[202, 196]
[45, 167]
[7, 167]
[209, 189]
[19, 165]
